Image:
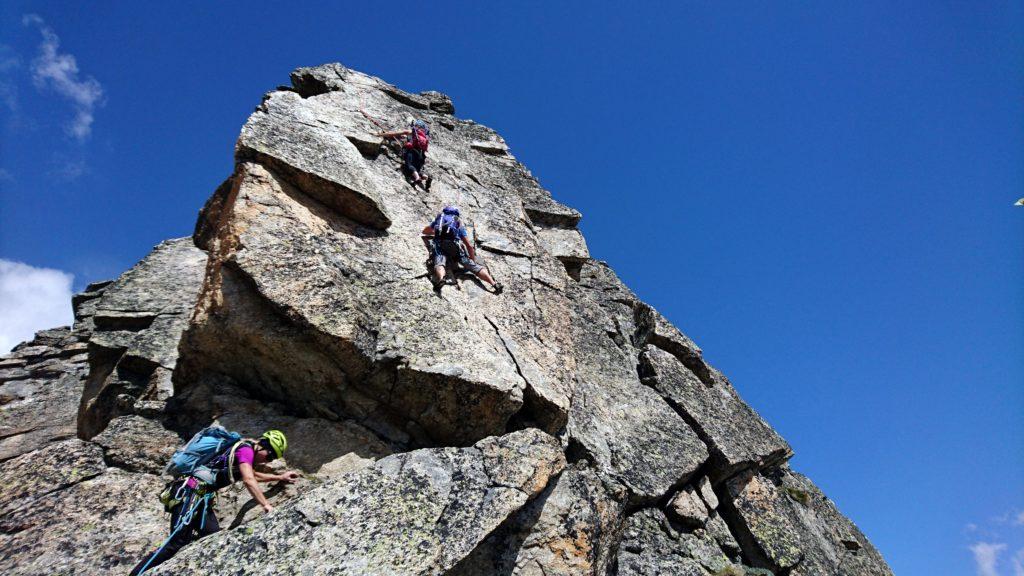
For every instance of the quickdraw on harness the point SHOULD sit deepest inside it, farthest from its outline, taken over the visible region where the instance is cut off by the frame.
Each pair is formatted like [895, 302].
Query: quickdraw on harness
[192, 500]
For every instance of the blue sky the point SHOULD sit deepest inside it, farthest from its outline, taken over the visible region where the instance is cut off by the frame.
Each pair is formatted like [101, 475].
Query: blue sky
[818, 193]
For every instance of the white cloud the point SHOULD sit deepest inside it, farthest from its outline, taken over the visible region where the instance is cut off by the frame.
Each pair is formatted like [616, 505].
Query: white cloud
[59, 72]
[9, 61]
[986, 556]
[1018, 520]
[1018, 563]
[66, 169]
[31, 299]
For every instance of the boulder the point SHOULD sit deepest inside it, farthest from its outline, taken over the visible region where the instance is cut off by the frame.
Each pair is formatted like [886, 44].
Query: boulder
[688, 508]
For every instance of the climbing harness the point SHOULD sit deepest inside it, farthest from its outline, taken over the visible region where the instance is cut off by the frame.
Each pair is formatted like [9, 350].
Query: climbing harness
[191, 500]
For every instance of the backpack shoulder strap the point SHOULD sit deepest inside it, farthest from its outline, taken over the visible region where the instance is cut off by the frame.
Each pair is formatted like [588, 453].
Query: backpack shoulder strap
[231, 456]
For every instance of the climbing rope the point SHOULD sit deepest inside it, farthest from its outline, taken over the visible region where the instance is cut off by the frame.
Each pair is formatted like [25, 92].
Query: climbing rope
[190, 503]
[363, 111]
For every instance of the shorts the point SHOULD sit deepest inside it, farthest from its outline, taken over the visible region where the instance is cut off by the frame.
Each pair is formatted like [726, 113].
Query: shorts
[414, 161]
[445, 249]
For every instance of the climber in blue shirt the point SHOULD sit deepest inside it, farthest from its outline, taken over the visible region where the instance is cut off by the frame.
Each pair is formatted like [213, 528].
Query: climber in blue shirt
[446, 238]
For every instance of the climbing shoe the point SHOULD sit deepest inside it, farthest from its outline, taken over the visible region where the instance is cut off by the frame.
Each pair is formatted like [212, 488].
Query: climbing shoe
[427, 181]
[498, 288]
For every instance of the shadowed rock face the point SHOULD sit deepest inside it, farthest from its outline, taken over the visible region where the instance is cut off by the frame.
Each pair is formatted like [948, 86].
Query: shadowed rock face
[562, 428]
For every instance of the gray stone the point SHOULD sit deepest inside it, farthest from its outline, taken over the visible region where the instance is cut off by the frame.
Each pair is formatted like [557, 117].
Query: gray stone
[688, 508]
[286, 135]
[568, 530]
[707, 493]
[438, 102]
[36, 411]
[493, 147]
[630, 433]
[102, 525]
[30, 476]
[311, 81]
[786, 523]
[414, 513]
[719, 531]
[364, 337]
[737, 436]
[137, 324]
[564, 244]
[138, 444]
[650, 546]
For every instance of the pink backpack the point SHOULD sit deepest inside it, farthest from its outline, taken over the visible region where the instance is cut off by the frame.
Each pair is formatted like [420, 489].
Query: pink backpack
[419, 139]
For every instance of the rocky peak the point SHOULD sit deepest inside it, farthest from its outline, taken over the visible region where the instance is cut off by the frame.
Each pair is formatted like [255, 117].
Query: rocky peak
[563, 427]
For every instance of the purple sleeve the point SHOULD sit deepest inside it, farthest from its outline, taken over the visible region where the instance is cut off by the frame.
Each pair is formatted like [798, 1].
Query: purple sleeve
[244, 454]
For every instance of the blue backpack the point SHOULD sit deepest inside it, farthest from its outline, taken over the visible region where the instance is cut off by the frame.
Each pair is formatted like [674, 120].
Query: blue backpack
[203, 447]
[448, 224]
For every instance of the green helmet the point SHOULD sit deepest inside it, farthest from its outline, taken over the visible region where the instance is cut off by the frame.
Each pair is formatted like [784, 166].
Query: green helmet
[278, 443]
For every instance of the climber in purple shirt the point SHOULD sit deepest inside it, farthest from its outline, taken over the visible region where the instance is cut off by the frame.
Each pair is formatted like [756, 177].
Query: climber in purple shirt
[185, 495]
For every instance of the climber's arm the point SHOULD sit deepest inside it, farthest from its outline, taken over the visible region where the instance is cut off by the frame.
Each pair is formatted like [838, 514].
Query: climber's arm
[469, 247]
[427, 235]
[290, 476]
[249, 479]
[394, 134]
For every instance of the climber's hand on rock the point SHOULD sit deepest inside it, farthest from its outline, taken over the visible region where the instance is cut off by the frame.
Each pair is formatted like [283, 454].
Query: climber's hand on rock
[290, 477]
[268, 508]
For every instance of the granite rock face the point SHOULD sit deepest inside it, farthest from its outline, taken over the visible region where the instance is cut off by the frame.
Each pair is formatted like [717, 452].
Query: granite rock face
[563, 427]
